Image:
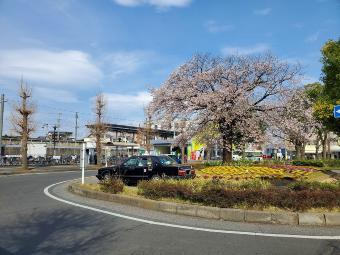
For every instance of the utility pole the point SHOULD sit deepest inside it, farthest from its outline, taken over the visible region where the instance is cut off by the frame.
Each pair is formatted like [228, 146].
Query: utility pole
[2, 108]
[54, 138]
[58, 126]
[76, 128]
[75, 132]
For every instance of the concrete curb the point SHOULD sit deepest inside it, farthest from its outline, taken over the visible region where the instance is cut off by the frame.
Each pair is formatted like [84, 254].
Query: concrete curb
[227, 214]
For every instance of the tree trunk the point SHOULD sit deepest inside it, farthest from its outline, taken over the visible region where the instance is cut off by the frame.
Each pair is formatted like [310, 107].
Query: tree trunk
[298, 151]
[24, 163]
[208, 150]
[317, 146]
[227, 149]
[243, 152]
[303, 150]
[24, 136]
[324, 146]
[182, 153]
[329, 148]
[98, 150]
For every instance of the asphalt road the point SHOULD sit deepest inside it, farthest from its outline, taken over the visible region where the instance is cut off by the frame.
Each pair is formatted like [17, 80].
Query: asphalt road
[32, 223]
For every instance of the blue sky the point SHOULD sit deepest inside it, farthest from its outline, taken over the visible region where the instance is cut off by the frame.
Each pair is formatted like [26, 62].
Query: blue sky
[69, 50]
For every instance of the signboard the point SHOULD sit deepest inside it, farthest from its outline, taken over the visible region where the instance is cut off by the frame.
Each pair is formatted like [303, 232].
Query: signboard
[336, 111]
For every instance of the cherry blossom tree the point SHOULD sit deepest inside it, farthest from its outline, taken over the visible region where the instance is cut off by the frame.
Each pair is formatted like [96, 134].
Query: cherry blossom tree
[232, 92]
[295, 122]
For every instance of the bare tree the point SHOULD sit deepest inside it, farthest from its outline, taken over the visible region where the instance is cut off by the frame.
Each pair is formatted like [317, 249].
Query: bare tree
[145, 134]
[99, 128]
[232, 92]
[22, 119]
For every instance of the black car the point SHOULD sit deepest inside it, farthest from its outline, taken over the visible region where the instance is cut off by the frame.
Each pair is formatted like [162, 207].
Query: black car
[145, 168]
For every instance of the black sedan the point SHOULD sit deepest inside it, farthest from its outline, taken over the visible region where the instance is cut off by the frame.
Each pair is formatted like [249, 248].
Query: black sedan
[145, 168]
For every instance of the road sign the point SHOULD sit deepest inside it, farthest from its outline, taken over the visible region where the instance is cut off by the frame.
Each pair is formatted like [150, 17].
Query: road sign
[336, 111]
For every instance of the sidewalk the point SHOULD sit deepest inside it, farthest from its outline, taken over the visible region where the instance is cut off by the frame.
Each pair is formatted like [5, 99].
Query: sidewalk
[18, 170]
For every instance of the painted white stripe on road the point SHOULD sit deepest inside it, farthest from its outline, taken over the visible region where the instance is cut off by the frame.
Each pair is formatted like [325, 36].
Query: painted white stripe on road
[47, 193]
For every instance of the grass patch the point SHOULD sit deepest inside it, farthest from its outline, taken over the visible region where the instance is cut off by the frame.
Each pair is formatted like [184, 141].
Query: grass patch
[90, 186]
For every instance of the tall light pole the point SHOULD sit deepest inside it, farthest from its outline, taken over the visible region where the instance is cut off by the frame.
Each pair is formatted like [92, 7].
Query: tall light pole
[75, 132]
[54, 138]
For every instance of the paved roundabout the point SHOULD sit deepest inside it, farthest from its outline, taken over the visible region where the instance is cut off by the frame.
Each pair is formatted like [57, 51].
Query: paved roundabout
[57, 222]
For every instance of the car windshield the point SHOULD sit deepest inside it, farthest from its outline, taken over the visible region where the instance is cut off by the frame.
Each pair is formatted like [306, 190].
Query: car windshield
[166, 160]
[254, 154]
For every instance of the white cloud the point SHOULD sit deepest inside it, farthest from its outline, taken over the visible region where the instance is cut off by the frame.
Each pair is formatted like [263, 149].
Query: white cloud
[126, 102]
[57, 95]
[50, 67]
[126, 106]
[214, 27]
[313, 37]
[162, 4]
[263, 12]
[125, 62]
[258, 48]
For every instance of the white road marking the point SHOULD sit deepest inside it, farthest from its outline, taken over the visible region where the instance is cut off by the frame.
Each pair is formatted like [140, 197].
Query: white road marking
[47, 193]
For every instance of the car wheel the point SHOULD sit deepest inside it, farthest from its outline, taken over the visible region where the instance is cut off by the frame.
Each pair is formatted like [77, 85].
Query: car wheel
[107, 176]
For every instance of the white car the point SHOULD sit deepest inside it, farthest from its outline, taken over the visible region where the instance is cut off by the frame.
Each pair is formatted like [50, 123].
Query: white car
[236, 157]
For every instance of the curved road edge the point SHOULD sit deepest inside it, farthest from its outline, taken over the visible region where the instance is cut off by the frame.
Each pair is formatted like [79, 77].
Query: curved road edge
[316, 237]
[215, 213]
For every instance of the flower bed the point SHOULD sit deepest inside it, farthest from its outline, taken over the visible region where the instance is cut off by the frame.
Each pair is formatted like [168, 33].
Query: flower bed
[253, 172]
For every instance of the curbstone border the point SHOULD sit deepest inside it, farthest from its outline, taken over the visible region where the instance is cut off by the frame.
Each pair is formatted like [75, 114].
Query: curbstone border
[227, 214]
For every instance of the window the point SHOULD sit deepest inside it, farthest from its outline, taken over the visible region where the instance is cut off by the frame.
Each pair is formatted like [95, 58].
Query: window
[143, 162]
[131, 162]
[165, 160]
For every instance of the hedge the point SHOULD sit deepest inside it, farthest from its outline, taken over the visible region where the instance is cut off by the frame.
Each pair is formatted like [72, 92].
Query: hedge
[316, 163]
[298, 198]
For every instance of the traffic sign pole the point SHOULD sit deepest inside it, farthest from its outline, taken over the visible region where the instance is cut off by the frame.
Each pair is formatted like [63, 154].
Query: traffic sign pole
[336, 111]
[83, 166]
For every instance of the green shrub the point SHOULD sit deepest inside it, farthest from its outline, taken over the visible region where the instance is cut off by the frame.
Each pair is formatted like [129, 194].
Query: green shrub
[255, 193]
[332, 162]
[316, 163]
[113, 185]
[305, 185]
[165, 188]
[240, 162]
[281, 198]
